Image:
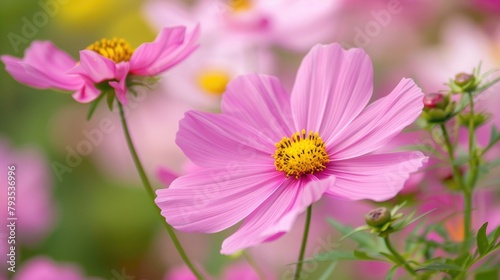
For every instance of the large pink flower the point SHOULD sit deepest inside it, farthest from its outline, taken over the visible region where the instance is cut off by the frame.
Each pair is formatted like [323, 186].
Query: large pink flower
[106, 61]
[270, 155]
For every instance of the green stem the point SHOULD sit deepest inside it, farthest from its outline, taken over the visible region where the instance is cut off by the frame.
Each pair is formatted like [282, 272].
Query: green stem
[451, 153]
[152, 196]
[472, 146]
[471, 180]
[467, 219]
[254, 265]
[400, 258]
[304, 242]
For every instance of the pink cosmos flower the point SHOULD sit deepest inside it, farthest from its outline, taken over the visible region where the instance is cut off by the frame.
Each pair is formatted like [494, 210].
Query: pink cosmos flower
[270, 155]
[43, 268]
[239, 271]
[106, 62]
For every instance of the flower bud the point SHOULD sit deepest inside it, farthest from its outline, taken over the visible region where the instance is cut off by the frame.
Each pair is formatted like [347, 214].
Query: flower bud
[437, 108]
[462, 79]
[463, 82]
[435, 100]
[378, 217]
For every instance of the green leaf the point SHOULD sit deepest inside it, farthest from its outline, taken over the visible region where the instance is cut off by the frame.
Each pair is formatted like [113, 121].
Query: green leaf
[334, 256]
[363, 239]
[398, 207]
[391, 272]
[358, 229]
[390, 257]
[486, 86]
[482, 240]
[491, 274]
[438, 266]
[363, 255]
[328, 272]
[463, 260]
[494, 135]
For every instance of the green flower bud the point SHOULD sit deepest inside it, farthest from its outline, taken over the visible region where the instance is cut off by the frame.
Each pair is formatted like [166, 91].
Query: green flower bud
[378, 217]
[462, 79]
[463, 82]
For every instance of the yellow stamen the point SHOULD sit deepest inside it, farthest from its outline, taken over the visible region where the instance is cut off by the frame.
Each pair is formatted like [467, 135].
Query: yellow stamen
[117, 50]
[240, 5]
[303, 153]
[213, 81]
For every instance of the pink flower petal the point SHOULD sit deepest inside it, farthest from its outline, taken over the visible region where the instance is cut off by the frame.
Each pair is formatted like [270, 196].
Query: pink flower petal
[376, 177]
[380, 122]
[278, 213]
[214, 199]
[120, 87]
[166, 176]
[217, 140]
[168, 49]
[262, 102]
[44, 66]
[95, 67]
[332, 87]
[87, 93]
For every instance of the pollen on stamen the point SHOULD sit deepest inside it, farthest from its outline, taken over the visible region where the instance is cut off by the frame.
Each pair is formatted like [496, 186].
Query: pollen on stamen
[303, 153]
[116, 49]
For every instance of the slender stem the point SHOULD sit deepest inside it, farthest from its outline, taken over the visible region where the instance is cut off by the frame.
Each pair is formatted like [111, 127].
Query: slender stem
[467, 219]
[304, 242]
[471, 180]
[472, 146]
[151, 194]
[400, 258]
[254, 265]
[451, 153]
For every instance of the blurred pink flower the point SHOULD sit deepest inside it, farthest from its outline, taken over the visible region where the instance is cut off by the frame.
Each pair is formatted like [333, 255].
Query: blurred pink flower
[256, 22]
[35, 208]
[43, 268]
[319, 137]
[239, 271]
[202, 79]
[106, 61]
[487, 5]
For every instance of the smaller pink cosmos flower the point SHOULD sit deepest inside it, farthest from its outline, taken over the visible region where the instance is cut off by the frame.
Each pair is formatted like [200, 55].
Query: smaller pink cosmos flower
[106, 62]
[43, 268]
[270, 154]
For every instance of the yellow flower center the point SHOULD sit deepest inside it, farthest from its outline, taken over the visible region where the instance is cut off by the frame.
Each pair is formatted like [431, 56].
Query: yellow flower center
[117, 50]
[213, 81]
[301, 154]
[240, 5]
